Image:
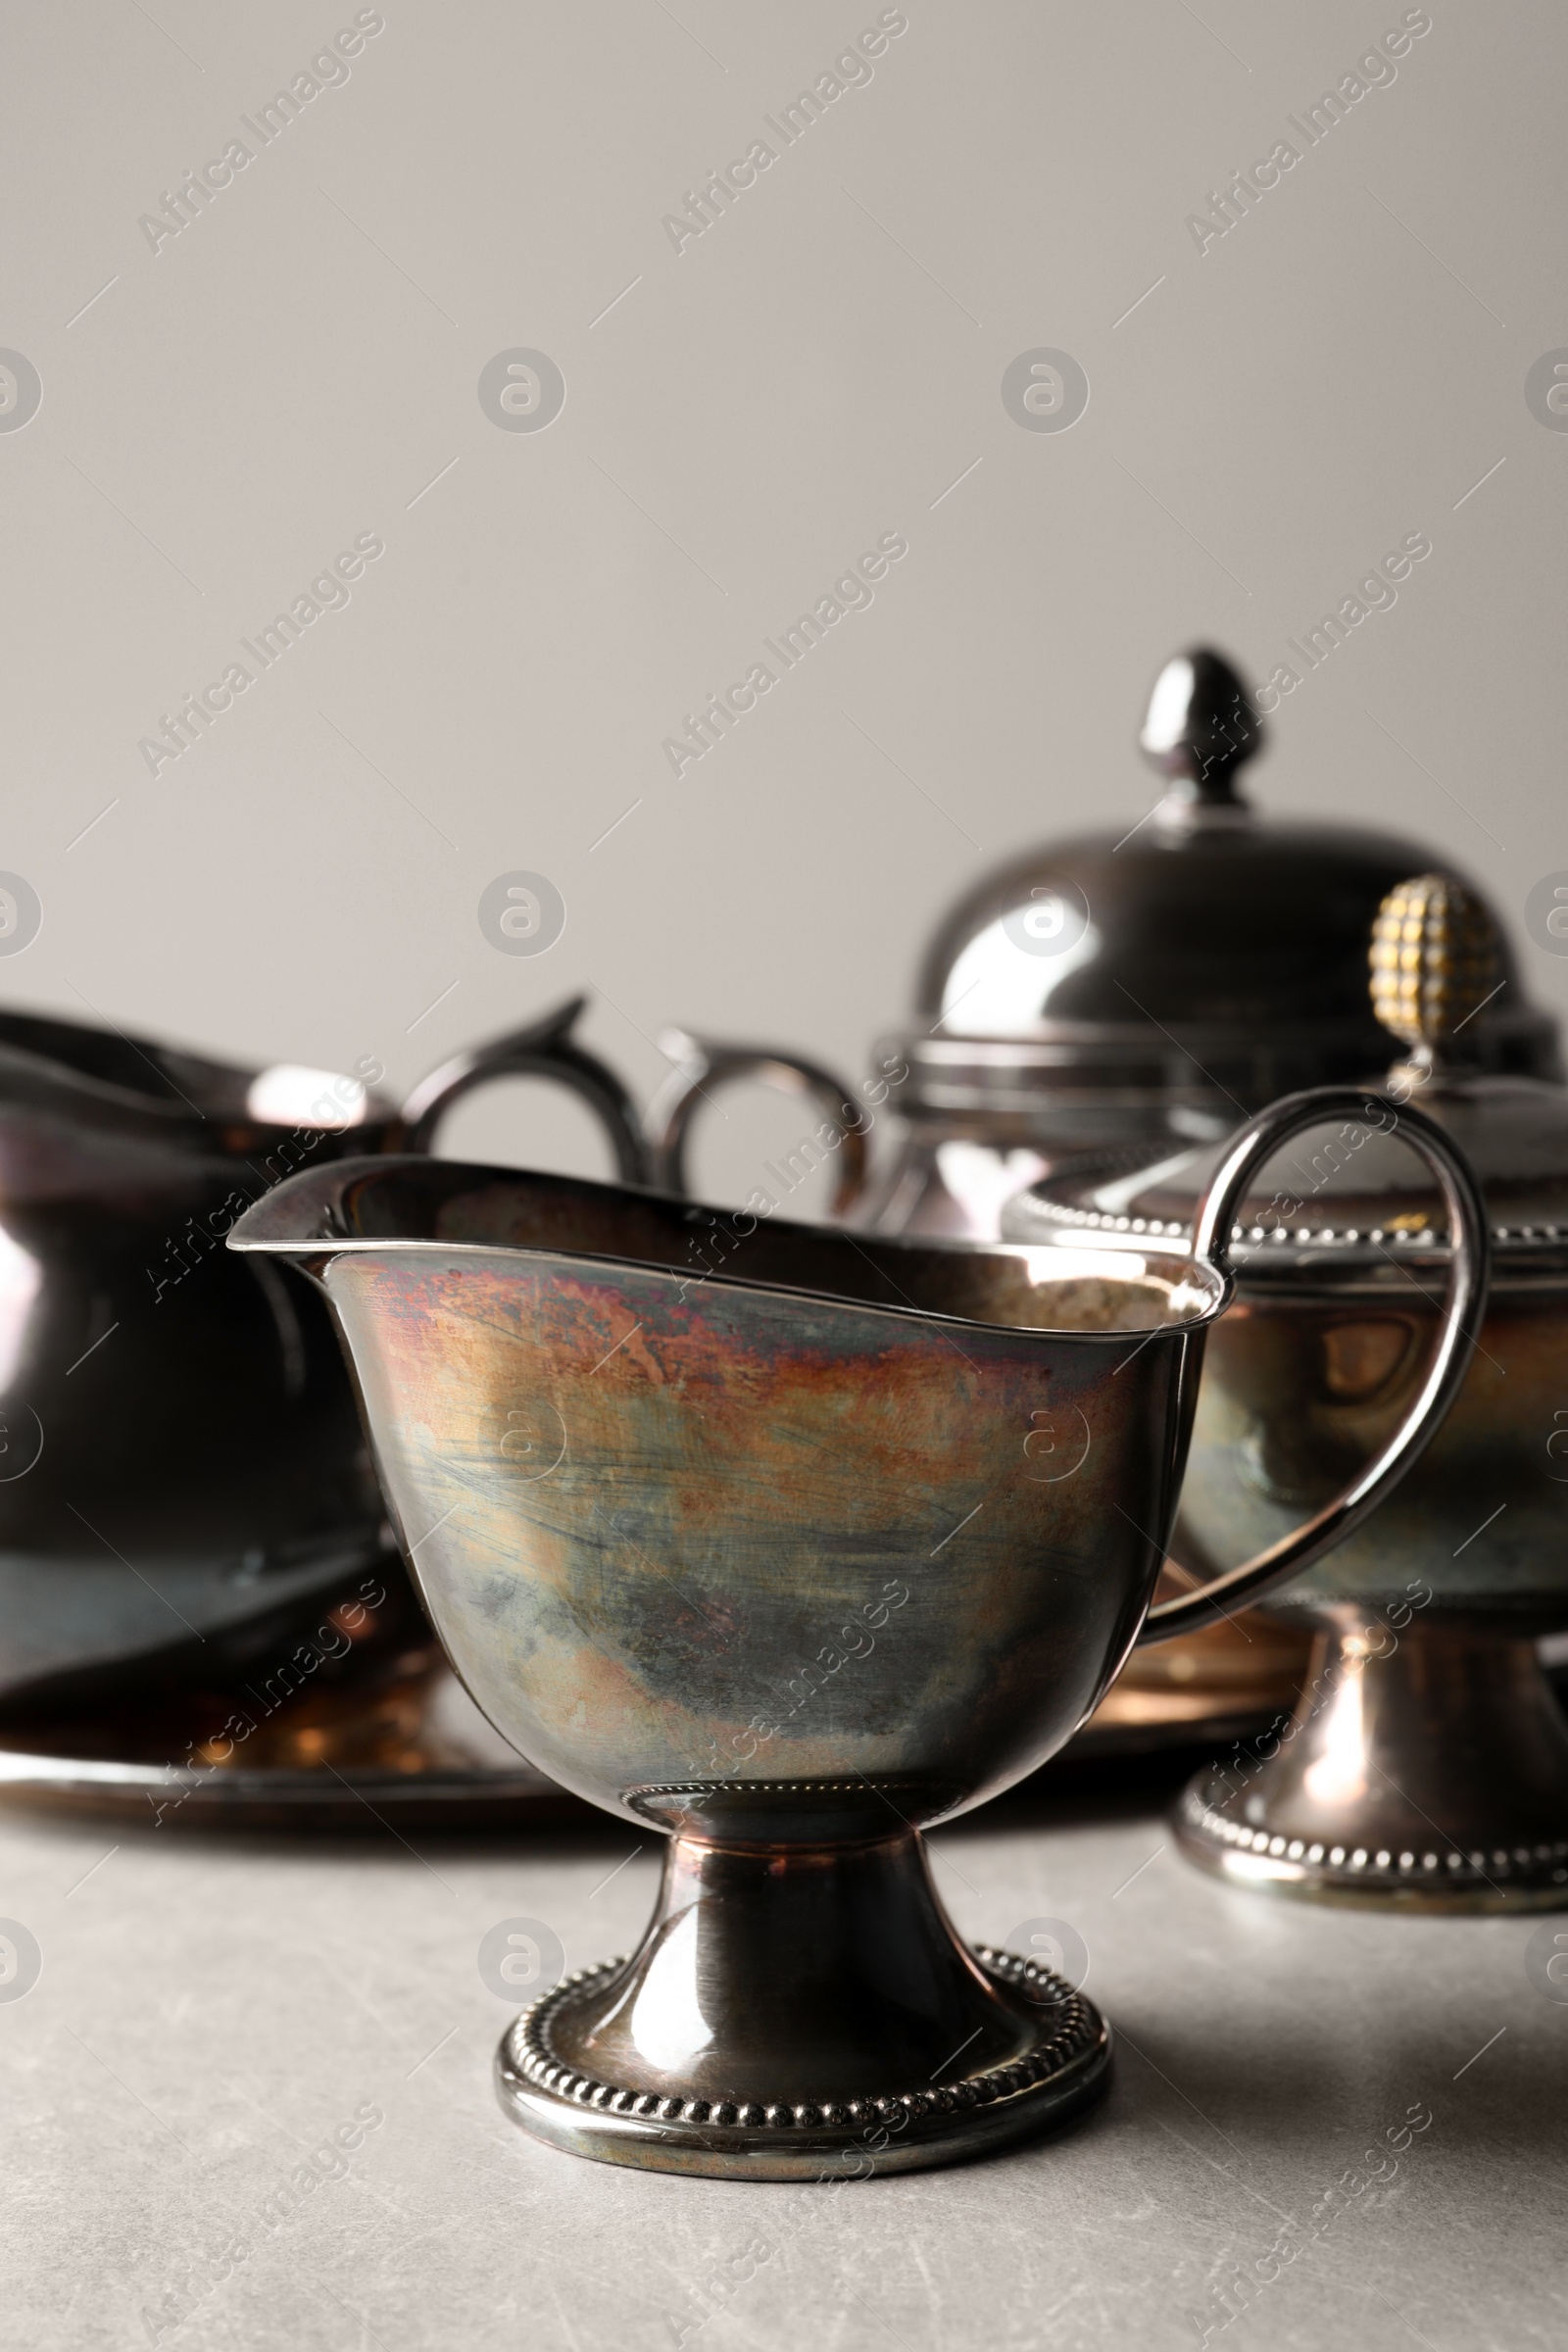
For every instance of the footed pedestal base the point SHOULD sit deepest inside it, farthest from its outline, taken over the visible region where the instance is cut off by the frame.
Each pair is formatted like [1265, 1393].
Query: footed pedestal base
[743, 2140]
[797, 2013]
[1428, 1776]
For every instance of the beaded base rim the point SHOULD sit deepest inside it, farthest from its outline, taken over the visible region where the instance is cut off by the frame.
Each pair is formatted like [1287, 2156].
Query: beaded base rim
[1066, 2067]
[1433, 1871]
[651, 1789]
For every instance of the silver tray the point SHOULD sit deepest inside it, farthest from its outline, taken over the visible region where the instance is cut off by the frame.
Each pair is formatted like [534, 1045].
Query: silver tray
[396, 1741]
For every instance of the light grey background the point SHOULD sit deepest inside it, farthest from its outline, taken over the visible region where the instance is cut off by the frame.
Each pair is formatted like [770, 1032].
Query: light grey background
[816, 370]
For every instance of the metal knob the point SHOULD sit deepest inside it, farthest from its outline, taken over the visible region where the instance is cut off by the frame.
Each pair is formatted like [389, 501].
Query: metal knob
[1434, 962]
[1201, 727]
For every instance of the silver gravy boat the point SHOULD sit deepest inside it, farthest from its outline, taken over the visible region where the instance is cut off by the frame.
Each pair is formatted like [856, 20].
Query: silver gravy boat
[788, 1561]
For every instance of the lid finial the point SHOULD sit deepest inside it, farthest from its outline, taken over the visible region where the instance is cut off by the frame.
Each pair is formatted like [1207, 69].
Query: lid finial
[1201, 727]
[1434, 962]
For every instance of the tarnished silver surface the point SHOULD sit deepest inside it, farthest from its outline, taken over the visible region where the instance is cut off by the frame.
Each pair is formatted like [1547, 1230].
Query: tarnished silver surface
[183, 1487]
[786, 1553]
[1424, 1768]
[1427, 1735]
[1059, 2071]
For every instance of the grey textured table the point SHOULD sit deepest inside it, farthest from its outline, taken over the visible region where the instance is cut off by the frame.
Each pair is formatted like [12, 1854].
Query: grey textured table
[209, 2015]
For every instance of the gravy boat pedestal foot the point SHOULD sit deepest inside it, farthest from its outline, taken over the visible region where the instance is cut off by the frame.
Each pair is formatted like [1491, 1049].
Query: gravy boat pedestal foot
[795, 2004]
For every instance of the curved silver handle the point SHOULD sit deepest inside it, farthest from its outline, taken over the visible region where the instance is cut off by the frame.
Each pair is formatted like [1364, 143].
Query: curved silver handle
[702, 1065]
[544, 1050]
[1463, 1307]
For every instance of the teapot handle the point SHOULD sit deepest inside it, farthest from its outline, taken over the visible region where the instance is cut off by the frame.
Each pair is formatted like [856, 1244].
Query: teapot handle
[1463, 1307]
[543, 1049]
[702, 1064]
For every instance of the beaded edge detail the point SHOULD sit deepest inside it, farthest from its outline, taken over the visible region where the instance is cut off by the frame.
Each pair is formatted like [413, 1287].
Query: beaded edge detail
[856, 1788]
[1078, 2028]
[1332, 1237]
[1425, 1866]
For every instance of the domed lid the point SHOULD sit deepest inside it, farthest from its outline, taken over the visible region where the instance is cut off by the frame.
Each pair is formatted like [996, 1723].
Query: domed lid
[1353, 1198]
[1203, 959]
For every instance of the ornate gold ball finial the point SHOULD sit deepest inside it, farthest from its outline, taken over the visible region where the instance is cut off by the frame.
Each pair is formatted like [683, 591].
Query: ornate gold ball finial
[1433, 963]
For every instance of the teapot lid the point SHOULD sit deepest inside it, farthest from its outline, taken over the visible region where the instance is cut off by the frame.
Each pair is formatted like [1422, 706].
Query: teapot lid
[1352, 1198]
[1203, 957]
